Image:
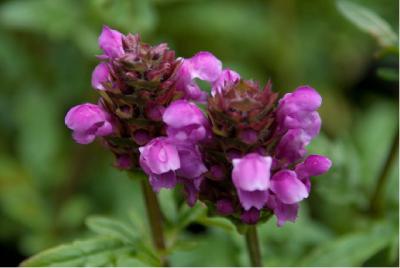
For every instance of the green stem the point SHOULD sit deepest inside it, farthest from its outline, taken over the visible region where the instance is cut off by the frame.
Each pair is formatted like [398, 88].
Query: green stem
[253, 246]
[155, 220]
[376, 202]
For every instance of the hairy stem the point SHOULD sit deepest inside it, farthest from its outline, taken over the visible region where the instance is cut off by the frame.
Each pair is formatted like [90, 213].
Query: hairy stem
[376, 203]
[253, 246]
[155, 219]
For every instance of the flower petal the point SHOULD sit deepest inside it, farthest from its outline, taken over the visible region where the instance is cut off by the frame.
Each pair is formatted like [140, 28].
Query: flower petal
[256, 199]
[252, 172]
[100, 75]
[287, 187]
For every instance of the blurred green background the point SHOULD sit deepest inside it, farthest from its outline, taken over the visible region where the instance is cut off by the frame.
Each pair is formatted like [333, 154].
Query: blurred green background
[49, 184]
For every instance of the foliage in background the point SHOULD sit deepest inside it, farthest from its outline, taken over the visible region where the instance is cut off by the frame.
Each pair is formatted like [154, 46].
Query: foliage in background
[49, 185]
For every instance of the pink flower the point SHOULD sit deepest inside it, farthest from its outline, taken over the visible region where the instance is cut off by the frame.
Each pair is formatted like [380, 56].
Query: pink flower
[204, 66]
[297, 110]
[287, 187]
[251, 177]
[292, 145]
[88, 121]
[185, 122]
[159, 159]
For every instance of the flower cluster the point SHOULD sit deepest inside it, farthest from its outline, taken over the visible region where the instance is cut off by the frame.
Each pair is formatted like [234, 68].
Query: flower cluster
[244, 156]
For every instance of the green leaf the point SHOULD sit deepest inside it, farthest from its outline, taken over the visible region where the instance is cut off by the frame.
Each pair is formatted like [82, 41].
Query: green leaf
[352, 249]
[389, 74]
[367, 21]
[16, 187]
[219, 222]
[100, 251]
[188, 215]
[113, 228]
[168, 205]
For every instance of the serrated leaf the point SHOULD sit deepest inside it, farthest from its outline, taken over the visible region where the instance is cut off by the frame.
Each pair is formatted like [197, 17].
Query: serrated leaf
[368, 21]
[99, 251]
[113, 228]
[352, 249]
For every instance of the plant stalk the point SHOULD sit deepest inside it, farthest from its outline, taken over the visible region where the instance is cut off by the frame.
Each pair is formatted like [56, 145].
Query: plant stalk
[155, 220]
[376, 202]
[253, 246]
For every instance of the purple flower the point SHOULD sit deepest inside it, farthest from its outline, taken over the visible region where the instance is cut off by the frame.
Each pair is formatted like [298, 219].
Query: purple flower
[159, 159]
[192, 188]
[204, 66]
[287, 187]
[297, 110]
[191, 170]
[88, 121]
[185, 122]
[110, 41]
[100, 75]
[227, 78]
[251, 177]
[292, 145]
[191, 162]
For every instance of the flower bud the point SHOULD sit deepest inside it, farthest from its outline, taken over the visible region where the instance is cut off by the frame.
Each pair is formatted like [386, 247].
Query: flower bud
[110, 41]
[100, 75]
[314, 165]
